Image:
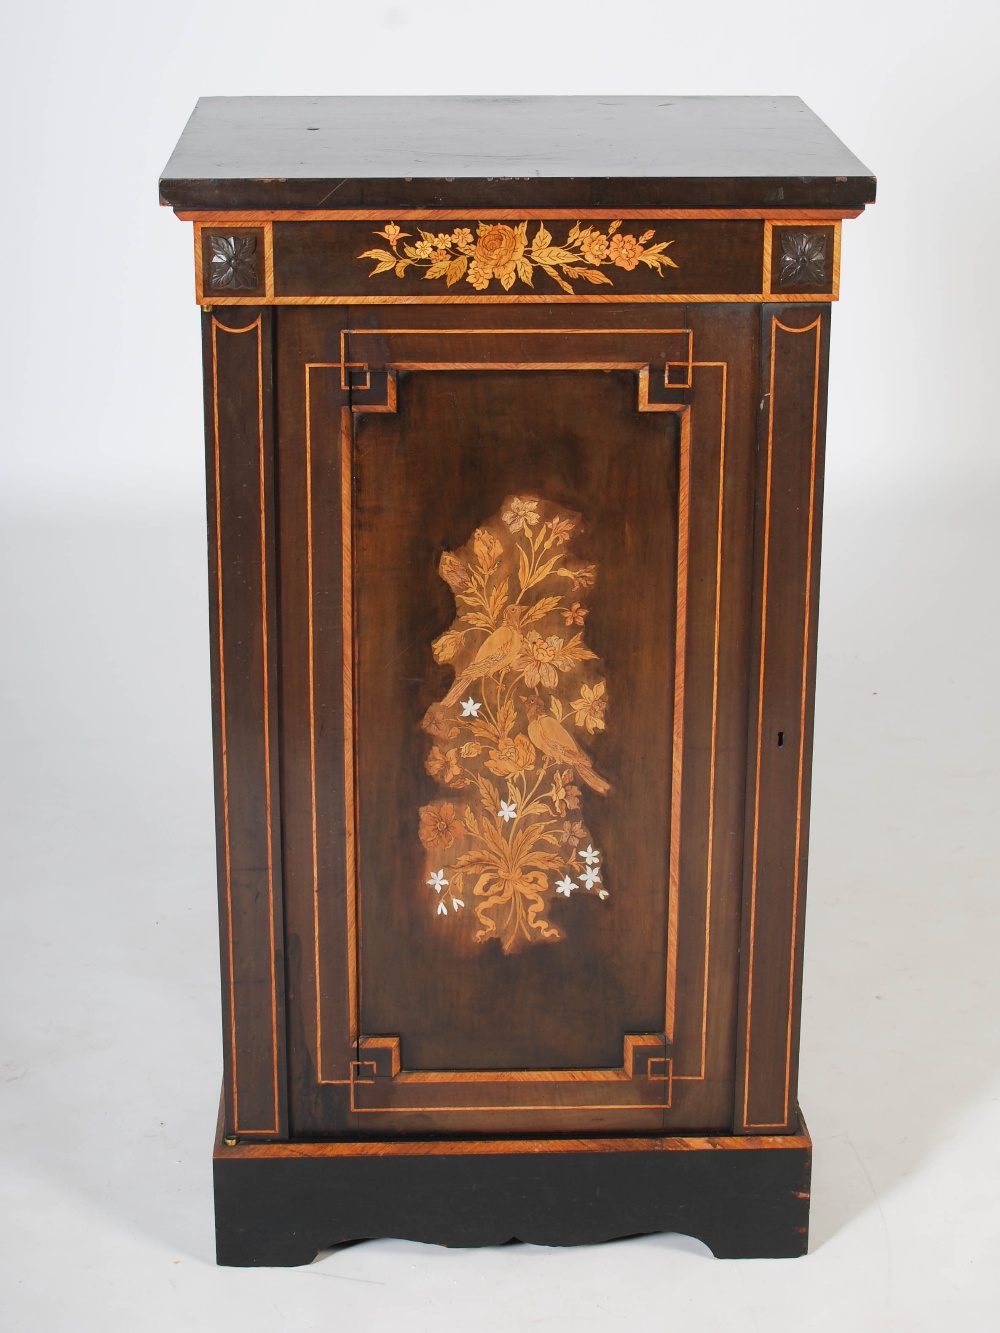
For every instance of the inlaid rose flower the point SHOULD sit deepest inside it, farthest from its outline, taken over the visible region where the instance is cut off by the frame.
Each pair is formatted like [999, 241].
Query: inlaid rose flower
[511, 756]
[498, 249]
[624, 251]
[541, 660]
[594, 245]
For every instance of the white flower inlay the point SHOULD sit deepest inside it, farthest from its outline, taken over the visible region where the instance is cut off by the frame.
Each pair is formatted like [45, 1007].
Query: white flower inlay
[590, 877]
[456, 903]
[565, 885]
[591, 855]
[602, 894]
[437, 880]
[508, 810]
[470, 708]
[442, 908]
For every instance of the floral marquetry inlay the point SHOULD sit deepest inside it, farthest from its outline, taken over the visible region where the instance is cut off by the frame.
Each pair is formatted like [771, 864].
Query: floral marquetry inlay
[803, 259]
[234, 261]
[504, 254]
[512, 737]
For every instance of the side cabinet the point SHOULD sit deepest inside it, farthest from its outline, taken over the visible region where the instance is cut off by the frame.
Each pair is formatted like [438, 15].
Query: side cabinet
[514, 516]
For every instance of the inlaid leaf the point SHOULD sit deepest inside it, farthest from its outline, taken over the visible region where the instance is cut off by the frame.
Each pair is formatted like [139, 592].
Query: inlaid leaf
[386, 260]
[535, 808]
[657, 261]
[490, 795]
[456, 269]
[556, 278]
[498, 598]
[523, 568]
[593, 275]
[482, 726]
[541, 572]
[543, 860]
[576, 651]
[553, 254]
[506, 717]
[480, 620]
[541, 237]
[540, 610]
[474, 860]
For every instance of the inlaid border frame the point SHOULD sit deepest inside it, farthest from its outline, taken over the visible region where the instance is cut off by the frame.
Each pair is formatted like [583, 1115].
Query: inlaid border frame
[794, 352]
[208, 299]
[376, 1054]
[242, 601]
[217, 221]
[807, 222]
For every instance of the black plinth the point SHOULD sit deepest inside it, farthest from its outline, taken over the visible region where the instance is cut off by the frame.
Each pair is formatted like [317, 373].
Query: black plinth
[280, 1204]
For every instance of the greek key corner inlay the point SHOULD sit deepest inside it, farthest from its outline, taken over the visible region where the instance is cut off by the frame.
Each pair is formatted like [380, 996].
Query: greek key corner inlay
[234, 262]
[803, 259]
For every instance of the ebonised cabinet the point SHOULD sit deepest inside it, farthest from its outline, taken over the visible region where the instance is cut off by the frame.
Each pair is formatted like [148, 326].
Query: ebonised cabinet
[515, 421]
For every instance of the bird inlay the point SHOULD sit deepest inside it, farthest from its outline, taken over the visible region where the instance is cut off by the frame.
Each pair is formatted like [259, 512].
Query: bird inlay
[513, 736]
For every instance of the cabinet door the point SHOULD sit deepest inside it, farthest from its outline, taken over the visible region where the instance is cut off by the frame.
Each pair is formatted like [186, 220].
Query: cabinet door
[514, 571]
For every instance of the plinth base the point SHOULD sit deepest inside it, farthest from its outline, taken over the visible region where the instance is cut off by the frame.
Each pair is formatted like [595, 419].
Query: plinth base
[279, 1204]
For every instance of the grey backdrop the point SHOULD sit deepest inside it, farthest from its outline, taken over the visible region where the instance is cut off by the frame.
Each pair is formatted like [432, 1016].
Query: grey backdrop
[110, 1062]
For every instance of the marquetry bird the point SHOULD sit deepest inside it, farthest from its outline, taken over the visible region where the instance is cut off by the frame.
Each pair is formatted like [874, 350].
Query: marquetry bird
[551, 737]
[497, 651]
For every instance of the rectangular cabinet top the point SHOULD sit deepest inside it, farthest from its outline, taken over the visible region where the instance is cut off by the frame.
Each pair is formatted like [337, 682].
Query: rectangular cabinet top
[451, 152]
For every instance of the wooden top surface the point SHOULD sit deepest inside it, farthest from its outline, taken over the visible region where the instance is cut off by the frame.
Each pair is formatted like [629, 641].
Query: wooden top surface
[441, 152]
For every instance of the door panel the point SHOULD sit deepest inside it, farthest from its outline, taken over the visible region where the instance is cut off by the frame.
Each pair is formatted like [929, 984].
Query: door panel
[511, 620]
[562, 992]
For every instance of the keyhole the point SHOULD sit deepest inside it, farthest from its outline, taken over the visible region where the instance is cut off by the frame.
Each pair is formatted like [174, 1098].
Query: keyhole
[781, 739]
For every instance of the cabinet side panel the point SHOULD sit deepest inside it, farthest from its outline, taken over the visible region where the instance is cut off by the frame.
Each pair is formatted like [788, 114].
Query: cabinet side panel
[794, 349]
[238, 410]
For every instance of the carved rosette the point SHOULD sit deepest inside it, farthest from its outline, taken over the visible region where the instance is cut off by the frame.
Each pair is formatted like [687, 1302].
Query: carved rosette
[803, 259]
[234, 262]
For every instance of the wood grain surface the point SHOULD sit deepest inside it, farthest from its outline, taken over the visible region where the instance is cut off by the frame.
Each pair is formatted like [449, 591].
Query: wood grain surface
[794, 349]
[244, 641]
[440, 152]
[423, 477]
